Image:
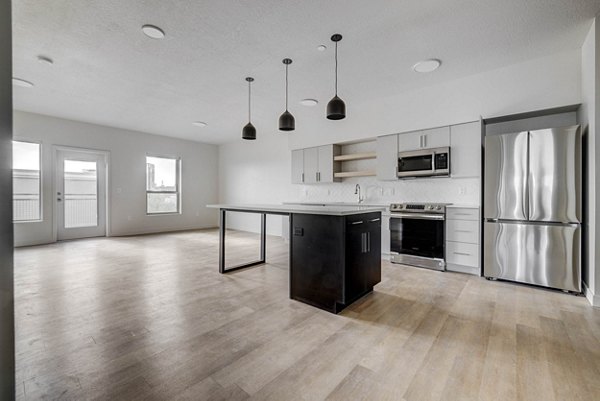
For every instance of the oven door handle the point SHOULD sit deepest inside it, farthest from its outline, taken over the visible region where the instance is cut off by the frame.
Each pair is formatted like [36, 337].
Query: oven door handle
[417, 216]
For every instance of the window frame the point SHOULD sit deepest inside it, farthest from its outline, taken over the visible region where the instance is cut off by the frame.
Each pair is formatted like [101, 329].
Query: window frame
[41, 195]
[177, 184]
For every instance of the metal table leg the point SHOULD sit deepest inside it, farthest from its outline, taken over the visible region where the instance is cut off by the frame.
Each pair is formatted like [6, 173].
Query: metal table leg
[263, 244]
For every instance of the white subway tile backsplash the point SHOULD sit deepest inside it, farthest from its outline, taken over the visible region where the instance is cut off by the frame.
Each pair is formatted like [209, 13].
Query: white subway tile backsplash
[446, 190]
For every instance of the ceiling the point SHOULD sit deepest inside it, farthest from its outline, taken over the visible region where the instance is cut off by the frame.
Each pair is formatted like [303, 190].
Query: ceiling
[106, 71]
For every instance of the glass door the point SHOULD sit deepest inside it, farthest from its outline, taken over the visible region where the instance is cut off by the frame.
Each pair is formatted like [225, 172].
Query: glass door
[80, 194]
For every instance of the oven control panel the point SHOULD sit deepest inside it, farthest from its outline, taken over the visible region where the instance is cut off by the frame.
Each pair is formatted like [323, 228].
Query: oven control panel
[418, 207]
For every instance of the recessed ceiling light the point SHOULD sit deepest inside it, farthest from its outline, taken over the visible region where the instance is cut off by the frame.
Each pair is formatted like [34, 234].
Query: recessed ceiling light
[309, 102]
[153, 32]
[321, 48]
[199, 124]
[45, 60]
[427, 65]
[22, 83]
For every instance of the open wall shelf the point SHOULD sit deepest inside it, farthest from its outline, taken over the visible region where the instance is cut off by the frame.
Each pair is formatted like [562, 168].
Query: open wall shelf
[355, 156]
[348, 174]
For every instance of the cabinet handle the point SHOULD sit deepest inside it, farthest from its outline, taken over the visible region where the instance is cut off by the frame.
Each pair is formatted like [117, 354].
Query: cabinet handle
[462, 253]
[302, 177]
[424, 141]
[368, 241]
[374, 220]
[463, 231]
[363, 242]
[357, 222]
[462, 214]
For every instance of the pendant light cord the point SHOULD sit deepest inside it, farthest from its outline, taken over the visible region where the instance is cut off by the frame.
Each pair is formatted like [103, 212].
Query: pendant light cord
[249, 102]
[336, 68]
[286, 87]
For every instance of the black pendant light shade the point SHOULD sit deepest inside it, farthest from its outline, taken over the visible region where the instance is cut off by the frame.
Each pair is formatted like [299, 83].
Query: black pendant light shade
[287, 122]
[336, 108]
[249, 132]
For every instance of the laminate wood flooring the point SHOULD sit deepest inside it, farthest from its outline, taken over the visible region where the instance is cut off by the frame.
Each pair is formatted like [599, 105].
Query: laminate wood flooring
[150, 318]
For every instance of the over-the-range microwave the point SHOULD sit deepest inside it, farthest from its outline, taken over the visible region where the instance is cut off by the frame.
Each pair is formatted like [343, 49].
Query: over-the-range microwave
[433, 162]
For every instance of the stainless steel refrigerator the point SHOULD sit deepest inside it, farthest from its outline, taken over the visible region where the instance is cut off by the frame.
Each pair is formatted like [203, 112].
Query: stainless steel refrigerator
[532, 207]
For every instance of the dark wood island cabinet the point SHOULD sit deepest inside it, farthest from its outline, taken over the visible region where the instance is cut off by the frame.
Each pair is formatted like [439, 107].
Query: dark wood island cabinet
[334, 260]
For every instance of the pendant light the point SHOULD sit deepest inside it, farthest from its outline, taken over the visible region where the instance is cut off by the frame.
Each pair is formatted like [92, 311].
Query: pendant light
[286, 120]
[249, 132]
[336, 109]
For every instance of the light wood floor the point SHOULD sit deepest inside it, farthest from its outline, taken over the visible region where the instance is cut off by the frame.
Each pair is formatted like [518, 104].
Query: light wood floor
[150, 318]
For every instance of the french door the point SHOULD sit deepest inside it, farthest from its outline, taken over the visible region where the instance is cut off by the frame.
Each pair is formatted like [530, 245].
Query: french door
[80, 194]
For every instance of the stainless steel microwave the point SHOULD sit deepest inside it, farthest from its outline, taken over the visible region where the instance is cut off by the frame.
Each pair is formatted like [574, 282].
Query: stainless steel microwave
[433, 162]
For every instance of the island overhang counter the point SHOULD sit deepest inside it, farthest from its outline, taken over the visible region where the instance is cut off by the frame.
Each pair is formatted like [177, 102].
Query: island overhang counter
[335, 251]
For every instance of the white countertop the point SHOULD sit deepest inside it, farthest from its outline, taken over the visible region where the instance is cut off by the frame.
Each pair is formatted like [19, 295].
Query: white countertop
[344, 204]
[331, 210]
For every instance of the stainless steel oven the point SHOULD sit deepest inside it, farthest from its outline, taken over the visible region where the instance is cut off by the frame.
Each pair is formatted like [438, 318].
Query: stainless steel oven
[424, 163]
[417, 234]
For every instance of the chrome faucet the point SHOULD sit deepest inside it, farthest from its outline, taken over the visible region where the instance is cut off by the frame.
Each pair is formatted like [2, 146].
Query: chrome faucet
[357, 192]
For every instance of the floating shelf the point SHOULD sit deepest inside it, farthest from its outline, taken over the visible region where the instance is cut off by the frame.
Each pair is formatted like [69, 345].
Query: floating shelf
[347, 174]
[355, 156]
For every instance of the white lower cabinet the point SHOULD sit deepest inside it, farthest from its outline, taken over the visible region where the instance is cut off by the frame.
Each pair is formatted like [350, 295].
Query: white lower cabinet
[463, 240]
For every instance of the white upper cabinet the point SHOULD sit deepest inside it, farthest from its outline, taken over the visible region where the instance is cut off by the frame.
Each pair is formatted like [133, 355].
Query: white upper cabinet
[311, 165]
[410, 141]
[387, 157]
[298, 166]
[431, 138]
[465, 152]
[436, 137]
[325, 171]
[314, 165]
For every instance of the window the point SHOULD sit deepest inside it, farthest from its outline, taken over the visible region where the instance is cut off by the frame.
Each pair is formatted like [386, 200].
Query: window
[162, 185]
[26, 181]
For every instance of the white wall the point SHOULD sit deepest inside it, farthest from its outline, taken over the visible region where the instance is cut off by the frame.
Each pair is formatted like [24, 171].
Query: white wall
[127, 176]
[7, 343]
[589, 117]
[255, 172]
[536, 84]
[532, 85]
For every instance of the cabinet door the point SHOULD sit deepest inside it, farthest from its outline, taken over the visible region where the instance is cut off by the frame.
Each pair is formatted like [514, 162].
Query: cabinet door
[311, 165]
[356, 248]
[436, 138]
[387, 157]
[410, 141]
[373, 256]
[465, 152]
[325, 170]
[298, 166]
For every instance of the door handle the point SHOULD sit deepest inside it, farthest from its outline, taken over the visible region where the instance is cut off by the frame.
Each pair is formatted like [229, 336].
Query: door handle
[59, 199]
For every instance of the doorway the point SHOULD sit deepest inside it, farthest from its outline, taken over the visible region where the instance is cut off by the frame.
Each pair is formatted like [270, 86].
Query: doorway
[80, 193]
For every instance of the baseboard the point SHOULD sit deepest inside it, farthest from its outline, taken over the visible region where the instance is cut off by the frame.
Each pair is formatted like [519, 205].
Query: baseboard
[592, 298]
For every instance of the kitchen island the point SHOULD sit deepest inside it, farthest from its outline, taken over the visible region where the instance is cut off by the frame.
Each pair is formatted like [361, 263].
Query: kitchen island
[335, 251]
